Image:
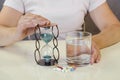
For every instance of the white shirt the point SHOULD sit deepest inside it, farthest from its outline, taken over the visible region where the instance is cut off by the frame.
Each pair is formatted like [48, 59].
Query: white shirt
[68, 14]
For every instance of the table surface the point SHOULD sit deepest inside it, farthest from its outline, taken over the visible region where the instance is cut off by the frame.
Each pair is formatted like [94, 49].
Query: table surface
[17, 63]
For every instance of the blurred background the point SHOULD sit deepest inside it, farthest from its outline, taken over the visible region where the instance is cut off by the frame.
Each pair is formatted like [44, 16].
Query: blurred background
[90, 26]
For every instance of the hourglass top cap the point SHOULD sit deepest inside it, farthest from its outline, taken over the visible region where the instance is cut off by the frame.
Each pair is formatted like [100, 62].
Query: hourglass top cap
[52, 24]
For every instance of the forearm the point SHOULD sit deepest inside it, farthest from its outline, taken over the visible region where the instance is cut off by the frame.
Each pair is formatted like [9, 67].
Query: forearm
[107, 37]
[7, 35]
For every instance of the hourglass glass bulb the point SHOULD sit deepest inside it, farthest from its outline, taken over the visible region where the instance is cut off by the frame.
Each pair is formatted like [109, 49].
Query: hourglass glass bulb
[46, 50]
[46, 35]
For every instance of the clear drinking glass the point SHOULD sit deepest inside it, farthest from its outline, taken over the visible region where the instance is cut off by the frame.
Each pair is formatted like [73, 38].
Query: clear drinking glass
[78, 48]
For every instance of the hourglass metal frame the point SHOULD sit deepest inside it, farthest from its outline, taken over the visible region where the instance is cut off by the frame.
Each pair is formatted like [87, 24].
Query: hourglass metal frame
[37, 52]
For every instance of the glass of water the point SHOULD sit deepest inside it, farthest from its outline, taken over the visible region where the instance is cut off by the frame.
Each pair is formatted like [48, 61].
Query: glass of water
[78, 48]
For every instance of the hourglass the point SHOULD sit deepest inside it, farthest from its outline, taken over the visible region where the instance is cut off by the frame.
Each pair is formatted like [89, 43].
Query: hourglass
[46, 54]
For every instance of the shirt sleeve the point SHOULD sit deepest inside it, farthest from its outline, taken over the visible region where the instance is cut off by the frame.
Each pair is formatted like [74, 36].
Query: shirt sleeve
[95, 3]
[15, 4]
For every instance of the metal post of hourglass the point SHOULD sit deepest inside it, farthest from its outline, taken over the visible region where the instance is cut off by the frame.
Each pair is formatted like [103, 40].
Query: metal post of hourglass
[46, 60]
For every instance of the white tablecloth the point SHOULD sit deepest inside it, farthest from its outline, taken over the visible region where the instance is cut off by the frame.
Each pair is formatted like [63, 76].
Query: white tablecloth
[17, 63]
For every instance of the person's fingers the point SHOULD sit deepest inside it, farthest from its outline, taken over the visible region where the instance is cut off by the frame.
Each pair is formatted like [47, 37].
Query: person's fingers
[95, 54]
[53, 24]
[39, 19]
[35, 19]
[28, 22]
[98, 58]
[30, 31]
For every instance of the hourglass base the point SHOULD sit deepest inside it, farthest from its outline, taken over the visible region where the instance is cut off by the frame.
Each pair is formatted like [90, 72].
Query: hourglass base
[43, 62]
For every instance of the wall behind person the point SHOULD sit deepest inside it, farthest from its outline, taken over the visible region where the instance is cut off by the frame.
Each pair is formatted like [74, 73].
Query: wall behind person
[115, 6]
[1, 3]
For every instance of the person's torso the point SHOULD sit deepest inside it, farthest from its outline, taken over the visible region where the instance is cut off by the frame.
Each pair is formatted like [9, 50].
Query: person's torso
[68, 14]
